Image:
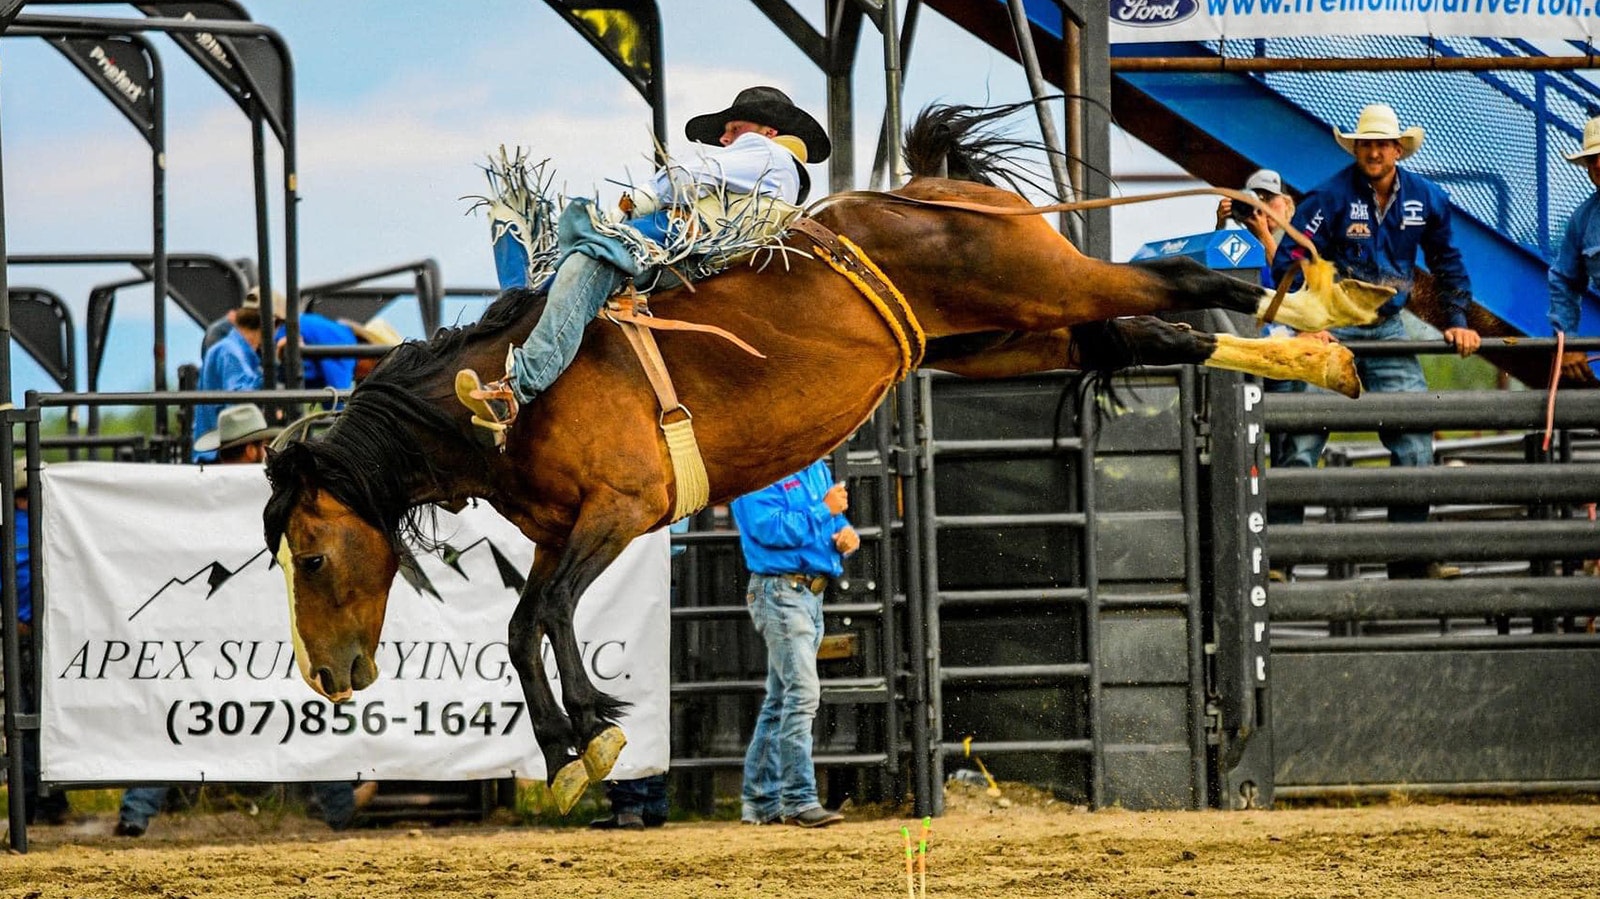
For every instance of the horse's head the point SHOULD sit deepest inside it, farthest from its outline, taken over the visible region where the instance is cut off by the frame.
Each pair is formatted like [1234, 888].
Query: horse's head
[338, 561]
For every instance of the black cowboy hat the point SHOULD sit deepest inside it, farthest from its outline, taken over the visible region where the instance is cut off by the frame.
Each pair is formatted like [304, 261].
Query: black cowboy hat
[763, 106]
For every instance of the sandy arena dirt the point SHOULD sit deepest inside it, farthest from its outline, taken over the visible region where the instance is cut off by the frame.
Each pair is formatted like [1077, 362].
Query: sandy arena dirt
[978, 848]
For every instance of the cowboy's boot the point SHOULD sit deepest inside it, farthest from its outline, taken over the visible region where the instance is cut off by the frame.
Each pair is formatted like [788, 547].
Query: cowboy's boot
[494, 405]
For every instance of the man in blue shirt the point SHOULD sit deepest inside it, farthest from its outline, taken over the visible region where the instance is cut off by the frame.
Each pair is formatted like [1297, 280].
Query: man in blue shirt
[329, 371]
[750, 164]
[1370, 220]
[50, 809]
[1576, 269]
[794, 536]
[232, 363]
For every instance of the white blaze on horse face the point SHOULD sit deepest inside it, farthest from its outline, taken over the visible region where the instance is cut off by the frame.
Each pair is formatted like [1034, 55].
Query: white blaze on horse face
[286, 562]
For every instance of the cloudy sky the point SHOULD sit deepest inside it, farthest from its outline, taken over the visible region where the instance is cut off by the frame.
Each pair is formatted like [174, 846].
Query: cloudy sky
[398, 102]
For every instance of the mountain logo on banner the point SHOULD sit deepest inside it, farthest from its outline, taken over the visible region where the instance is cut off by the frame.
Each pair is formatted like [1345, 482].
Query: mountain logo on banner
[1151, 13]
[216, 573]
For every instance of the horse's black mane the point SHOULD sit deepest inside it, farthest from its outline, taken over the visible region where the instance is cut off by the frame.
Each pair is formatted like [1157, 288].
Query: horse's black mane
[365, 459]
[962, 143]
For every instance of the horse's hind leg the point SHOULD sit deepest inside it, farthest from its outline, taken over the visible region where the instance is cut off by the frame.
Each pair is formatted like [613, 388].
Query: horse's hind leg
[525, 642]
[1145, 340]
[1326, 365]
[1152, 341]
[1190, 285]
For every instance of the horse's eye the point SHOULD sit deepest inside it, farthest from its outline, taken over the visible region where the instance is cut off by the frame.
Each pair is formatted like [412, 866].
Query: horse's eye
[312, 564]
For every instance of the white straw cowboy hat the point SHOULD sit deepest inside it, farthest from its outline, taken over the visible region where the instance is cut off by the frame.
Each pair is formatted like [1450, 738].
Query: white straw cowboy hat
[376, 331]
[236, 426]
[1591, 143]
[1379, 122]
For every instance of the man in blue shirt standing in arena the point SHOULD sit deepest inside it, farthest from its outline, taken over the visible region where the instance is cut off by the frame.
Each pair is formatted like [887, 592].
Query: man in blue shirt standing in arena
[50, 809]
[794, 536]
[1576, 269]
[1369, 220]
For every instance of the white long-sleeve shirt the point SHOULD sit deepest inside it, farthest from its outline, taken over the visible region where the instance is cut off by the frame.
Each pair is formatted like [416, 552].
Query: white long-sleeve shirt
[752, 164]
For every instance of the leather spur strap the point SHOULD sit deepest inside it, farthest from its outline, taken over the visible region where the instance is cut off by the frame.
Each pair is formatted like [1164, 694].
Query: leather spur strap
[851, 261]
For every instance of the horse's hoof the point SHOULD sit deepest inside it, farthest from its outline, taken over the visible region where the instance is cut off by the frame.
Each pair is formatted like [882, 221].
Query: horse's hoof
[1339, 374]
[1362, 299]
[569, 785]
[601, 753]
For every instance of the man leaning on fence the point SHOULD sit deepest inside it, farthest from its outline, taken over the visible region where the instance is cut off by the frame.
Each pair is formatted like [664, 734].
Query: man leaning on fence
[1370, 220]
[51, 809]
[1576, 269]
[232, 363]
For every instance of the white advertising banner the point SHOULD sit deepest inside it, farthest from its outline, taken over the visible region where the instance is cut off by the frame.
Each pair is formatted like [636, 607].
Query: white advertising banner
[1137, 21]
[168, 657]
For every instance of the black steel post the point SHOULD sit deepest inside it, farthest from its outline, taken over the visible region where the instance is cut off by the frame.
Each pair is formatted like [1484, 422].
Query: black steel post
[1239, 592]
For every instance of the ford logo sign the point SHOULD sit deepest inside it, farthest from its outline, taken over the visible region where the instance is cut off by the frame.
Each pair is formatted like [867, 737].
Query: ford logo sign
[1150, 13]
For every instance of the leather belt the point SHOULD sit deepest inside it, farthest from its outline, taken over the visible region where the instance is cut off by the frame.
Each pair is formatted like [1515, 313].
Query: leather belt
[816, 583]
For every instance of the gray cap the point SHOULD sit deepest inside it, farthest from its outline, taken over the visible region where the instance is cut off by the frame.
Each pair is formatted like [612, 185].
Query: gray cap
[1265, 181]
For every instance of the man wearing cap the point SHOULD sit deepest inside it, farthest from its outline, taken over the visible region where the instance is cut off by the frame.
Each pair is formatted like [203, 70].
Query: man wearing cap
[337, 372]
[232, 363]
[1268, 186]
[755, 155]
[1576, 269]
[1370, 220]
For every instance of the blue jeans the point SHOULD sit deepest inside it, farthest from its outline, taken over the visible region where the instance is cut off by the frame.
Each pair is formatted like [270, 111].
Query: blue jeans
[644, 796]
[336, 799]
[779, 778]
[581, 286]
[1379, 374]
[140, 804]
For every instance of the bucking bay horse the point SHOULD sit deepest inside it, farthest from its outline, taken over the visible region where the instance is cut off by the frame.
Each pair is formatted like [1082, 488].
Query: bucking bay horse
[872, 287]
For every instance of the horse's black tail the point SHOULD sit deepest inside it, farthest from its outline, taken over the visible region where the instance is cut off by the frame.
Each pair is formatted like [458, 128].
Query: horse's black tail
[962, 143]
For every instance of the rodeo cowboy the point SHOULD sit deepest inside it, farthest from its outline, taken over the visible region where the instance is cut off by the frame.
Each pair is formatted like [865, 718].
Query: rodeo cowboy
[750, 165]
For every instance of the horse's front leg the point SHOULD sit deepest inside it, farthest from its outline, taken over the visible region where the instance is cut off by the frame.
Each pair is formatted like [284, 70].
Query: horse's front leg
[525, 643]
[593, 714]
[1321, 304]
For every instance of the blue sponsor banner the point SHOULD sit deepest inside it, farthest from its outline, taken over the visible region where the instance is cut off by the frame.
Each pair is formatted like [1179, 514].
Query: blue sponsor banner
[1140, 21]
